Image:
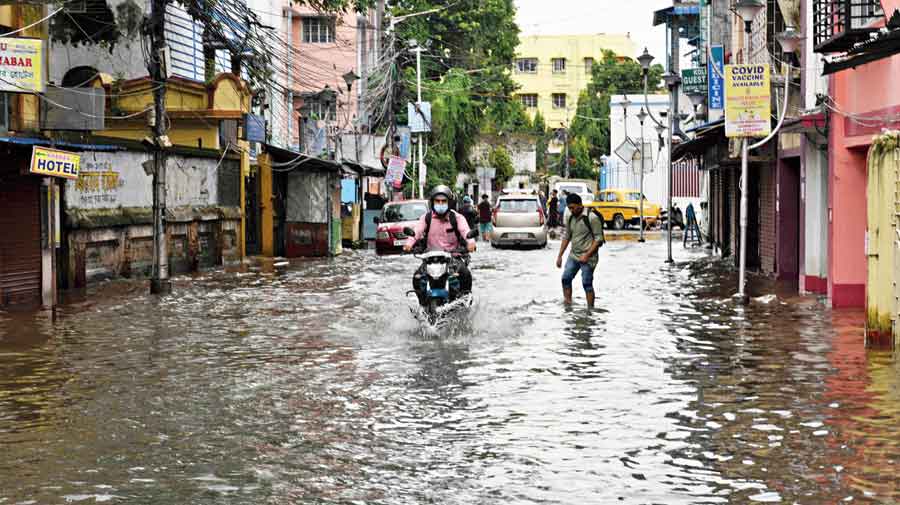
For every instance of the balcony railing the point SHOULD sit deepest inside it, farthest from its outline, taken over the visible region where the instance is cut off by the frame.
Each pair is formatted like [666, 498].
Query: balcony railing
[840, 24]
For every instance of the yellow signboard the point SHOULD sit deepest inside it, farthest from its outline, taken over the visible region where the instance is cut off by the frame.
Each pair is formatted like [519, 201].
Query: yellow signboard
[748, 100]
[55, 163]
[21, 65]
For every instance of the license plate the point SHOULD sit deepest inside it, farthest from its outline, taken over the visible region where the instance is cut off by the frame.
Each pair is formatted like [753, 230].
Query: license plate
[399, 243]
[519, 236]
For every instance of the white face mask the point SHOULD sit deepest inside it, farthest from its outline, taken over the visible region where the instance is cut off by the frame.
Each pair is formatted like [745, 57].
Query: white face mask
[441, 208]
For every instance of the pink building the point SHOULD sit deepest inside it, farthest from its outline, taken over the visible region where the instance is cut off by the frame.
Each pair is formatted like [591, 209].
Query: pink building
[864, 99]
[328, 47]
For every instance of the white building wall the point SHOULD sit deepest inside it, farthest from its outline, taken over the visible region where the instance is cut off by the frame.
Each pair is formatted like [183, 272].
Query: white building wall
[622, 174]
[110, 180]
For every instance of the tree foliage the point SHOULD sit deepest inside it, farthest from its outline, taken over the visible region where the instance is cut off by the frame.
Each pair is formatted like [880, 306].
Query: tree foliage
[501, 161]
[469, 45]
[611, 75]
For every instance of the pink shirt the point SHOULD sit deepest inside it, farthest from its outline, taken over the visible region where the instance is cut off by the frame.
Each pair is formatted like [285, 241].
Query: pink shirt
[441, 236]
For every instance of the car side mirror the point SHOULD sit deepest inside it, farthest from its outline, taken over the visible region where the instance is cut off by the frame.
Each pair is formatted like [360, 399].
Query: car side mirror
[409, 231]
[377, 220]
[472, 234]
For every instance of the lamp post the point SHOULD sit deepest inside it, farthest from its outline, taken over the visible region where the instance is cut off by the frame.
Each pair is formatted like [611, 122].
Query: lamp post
[642, 115]
[672, 81]
[747, 10]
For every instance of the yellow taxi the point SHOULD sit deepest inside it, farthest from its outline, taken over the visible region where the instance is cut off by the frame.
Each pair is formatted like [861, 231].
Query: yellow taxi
[620, 208]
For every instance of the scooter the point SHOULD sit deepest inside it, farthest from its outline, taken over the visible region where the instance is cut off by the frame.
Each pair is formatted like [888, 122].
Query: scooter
[437, 282]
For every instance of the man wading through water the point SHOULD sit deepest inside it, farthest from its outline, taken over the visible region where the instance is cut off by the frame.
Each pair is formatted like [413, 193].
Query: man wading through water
[584, 231]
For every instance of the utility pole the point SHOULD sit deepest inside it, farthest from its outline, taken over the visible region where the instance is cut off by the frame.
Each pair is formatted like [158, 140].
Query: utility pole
[159, 282]
[642, 115]
[421, 174]
[566, 144]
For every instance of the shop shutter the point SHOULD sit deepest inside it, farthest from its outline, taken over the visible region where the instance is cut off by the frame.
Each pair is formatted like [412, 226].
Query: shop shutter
[20, 241]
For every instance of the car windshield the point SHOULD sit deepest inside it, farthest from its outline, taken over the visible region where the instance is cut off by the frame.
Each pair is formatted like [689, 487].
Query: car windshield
[403, 212]
[519, 205]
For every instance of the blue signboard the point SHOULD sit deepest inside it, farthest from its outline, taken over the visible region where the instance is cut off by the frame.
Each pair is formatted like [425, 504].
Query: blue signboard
[403, 131]
[254, 128]
[716, 80]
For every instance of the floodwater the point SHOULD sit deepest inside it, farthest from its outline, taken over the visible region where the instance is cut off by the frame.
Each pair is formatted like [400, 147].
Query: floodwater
[315, 385]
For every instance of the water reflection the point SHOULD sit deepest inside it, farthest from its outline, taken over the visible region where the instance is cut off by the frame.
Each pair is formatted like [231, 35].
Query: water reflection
[314, 384]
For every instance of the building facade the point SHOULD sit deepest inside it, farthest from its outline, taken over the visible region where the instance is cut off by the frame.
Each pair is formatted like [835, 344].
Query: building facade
[552, 70]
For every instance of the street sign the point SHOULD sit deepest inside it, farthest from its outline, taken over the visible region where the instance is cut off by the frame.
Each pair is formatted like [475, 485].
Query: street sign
[54, 163]
[716, 72]
[748, 100]
[626, 150]
[254, 128]
[694, 80]
[419, 120]
[395, 170]
[21, 65]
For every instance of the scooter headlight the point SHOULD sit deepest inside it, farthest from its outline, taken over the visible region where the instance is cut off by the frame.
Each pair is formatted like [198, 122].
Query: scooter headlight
[436, 270]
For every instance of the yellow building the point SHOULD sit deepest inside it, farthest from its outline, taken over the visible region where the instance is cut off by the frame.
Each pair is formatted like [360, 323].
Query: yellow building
[552, 70]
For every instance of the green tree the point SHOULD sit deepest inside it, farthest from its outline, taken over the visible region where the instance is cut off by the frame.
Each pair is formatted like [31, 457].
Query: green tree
[612, 75]
[469, 45]
[501, 161]
[581, 164]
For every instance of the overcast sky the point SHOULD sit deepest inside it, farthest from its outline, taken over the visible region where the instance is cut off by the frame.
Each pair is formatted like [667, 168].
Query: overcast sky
[596, 16]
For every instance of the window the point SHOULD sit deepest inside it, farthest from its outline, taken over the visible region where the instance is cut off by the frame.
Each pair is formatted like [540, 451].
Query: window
[403, 212]
[588, 65]
[318, 30]
[519, 205]
[318, 111]
[526, 65]
[559, 65]
[559, 100]
[529, 100]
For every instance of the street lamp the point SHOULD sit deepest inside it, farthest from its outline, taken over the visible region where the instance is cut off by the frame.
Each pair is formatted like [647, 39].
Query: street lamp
[747, 10]
[697, 98]
[349, 78]
[789, 40]
[642, 115]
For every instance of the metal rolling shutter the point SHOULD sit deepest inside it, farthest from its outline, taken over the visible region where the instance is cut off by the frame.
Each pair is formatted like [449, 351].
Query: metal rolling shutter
[20, 241]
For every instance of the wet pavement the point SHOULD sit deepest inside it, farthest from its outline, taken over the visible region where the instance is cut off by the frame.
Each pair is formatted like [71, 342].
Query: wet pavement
[315, 385]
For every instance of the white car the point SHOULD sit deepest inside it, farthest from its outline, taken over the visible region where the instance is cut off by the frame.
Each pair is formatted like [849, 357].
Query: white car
[519, 221]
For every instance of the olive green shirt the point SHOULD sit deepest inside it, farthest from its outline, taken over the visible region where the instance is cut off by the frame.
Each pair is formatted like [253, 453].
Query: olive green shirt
[580, 236]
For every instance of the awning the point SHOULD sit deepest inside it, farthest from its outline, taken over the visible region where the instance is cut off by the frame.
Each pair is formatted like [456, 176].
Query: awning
[707, 135]
[680, 9]
[882, 45]
[41, 141]
[363, 170]
[288, 160]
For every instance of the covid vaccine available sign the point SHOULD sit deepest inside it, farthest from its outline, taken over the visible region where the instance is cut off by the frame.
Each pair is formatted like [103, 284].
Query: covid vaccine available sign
[747, 101]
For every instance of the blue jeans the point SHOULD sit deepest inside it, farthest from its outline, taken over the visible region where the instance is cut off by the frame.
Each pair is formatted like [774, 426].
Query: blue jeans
[587, 275]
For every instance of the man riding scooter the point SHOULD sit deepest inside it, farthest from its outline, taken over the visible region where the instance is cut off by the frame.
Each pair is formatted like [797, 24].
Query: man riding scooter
[442, 229]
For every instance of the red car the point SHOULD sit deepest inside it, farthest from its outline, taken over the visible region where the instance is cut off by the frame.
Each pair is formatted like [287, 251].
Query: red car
[389, 238]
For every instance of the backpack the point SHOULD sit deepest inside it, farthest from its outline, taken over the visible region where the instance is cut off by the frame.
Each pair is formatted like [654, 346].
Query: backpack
[452, 216]
[587, 222]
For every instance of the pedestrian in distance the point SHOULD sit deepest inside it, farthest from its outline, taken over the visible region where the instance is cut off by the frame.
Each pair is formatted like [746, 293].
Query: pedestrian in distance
[485, 214]
[584, 232]
[553, 210]
[469, 211]
[562, 207]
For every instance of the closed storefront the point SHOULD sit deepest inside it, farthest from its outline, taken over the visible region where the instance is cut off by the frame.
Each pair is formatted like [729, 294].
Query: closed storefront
[20, 238]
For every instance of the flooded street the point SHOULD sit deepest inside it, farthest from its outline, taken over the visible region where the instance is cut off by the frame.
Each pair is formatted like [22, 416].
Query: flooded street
[315, 385]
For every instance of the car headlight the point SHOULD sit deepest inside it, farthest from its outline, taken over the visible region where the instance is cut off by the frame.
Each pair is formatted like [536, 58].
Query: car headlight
[382, 235]
[436, 270]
